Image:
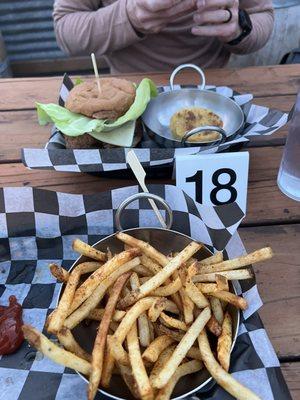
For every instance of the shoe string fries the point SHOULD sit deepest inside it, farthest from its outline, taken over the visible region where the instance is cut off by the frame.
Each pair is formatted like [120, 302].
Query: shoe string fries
[152, 312]
[143, 325]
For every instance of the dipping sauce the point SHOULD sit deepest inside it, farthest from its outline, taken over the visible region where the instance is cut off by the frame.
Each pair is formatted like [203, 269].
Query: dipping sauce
[11, 335]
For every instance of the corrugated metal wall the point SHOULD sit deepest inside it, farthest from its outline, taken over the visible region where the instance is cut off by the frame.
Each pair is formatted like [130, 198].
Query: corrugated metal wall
[27, 29]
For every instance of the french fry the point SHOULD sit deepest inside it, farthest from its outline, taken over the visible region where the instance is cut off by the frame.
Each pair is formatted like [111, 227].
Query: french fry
[156, 347]
[79, 270]
[117, 350]
[156, 309]
[120, 334]
[163, 330]
[91, 283]
[187, 305]
[240, 274]
[109, 254]
[213, 326]
[195, 294]
[169, 289]
[113, 326]
[144, 331]
[131, 316]
[225, 342]
[177, 300]
[97, 314]
[222, 377]
[222, 282]
[59, 273]
[150, 264]
[138, 368]
[108, 365]
[58, 318]
[181, 350]
[88, 266]
[143, 271]
[100, 341]
[160, 363]
[172, 322]
[171, 307]
[144, 279]
[66, 338]
[55, 353]
[158, 279]
[217, 309]
[187, 368]
[194, 353]
[128, 378]
[207, 287]
[143, 326]
[151, 330]
[146, 248]
[256, 256]
[238, 302]
[223, 304]
[83, 311]
[86, 250]
[176, 296]
[214, 259]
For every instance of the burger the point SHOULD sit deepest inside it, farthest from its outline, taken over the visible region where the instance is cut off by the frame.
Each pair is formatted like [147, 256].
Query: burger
[104, 115]
[113, 100]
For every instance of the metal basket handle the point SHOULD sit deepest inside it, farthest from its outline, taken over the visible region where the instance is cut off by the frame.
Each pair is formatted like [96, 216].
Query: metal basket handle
[184, 66]
[138, 196]
[200, 129]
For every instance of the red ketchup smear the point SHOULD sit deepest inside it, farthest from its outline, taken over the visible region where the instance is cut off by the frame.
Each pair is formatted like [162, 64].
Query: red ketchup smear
[11, 335]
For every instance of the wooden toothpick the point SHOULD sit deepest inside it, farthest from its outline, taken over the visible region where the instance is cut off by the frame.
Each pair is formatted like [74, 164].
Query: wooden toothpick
[140, 175]
[96, 72]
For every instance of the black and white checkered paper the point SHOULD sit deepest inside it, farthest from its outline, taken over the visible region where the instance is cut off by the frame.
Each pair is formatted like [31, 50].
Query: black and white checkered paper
[259, 121]
[37, 227]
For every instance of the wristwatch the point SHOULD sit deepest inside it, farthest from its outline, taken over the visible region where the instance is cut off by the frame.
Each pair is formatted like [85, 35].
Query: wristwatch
[246, 26]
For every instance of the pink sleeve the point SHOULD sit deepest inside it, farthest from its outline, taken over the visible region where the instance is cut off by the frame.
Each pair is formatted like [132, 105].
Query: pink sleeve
[82, 27]
[261, 14]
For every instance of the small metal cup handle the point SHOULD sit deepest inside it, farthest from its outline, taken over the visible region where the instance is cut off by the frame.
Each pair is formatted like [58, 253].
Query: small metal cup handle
[204, 129]
[138, 196]
[184, 66]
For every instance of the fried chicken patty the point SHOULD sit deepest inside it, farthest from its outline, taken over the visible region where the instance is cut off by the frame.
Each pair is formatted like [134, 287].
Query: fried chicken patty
[187, 119]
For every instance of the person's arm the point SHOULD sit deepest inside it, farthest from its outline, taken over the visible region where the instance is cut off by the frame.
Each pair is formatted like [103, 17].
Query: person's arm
[262, 18]
[83, 26]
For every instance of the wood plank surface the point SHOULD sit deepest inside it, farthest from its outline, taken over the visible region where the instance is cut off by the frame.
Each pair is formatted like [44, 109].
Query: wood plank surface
[291, 372]
[272, 218]
[278, 283]
[266, 204]
[19, 129]
[21, 93]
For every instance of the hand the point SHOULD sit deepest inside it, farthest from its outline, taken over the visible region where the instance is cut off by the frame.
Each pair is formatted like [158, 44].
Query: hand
[151, 16]
[212, 16]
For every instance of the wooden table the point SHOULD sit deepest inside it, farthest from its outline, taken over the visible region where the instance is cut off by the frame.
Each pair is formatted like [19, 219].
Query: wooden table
[272, 218]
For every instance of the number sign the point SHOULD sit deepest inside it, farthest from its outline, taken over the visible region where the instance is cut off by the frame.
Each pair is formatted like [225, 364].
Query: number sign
[214, 179]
